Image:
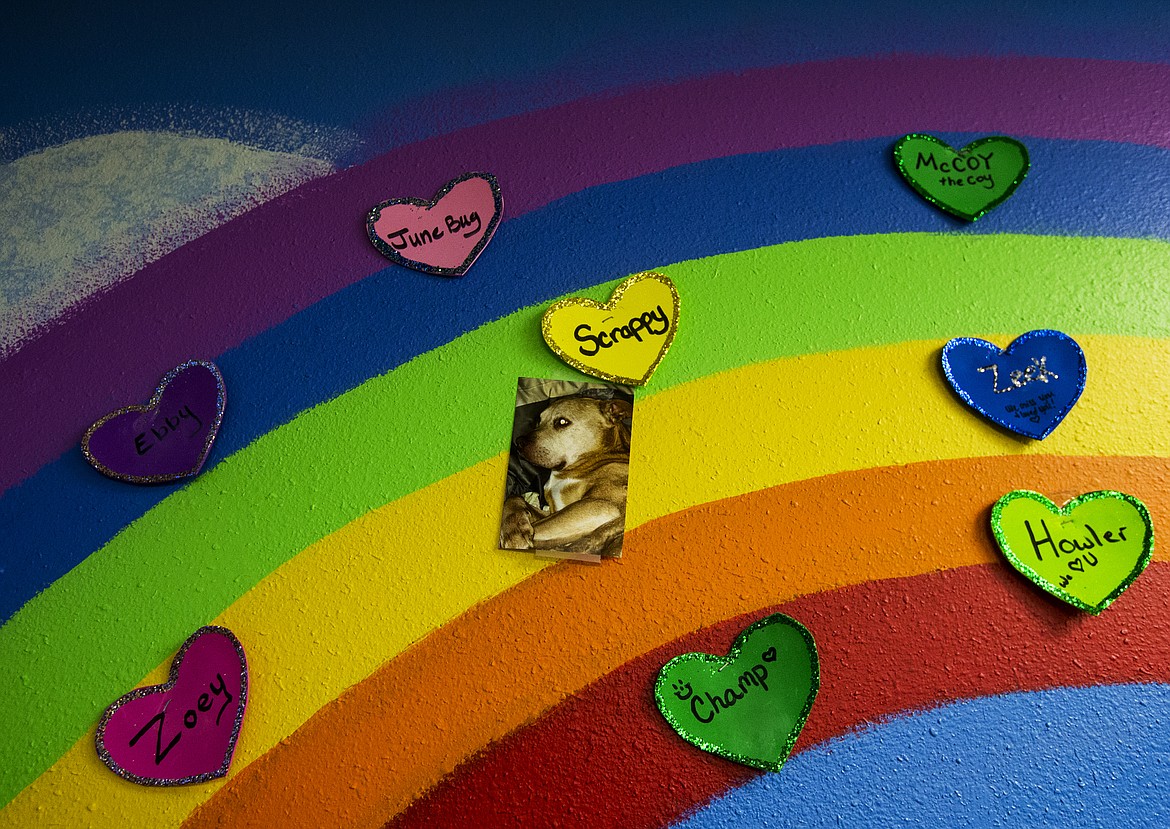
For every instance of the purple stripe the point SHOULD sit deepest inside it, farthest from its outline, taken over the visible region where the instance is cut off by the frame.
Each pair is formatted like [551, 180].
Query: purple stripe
[280, 258]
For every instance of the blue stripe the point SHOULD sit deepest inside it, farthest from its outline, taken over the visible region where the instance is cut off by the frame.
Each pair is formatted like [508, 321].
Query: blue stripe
[1071, 757]
[1075, 188]
[445, 65]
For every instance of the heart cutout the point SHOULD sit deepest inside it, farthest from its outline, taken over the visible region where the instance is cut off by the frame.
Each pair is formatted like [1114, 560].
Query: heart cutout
[184, 731]
[1107, 535]
[622, 340]
[168, 438]
[1027, 388]
[965, 183]
[738, 707]
[445, 235]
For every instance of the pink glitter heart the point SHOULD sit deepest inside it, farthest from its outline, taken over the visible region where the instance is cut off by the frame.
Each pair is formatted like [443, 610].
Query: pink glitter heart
[443, 236]
[186, 730]
[167, 439]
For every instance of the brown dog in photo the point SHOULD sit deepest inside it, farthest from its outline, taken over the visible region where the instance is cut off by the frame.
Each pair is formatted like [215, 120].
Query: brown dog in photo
[586, 445]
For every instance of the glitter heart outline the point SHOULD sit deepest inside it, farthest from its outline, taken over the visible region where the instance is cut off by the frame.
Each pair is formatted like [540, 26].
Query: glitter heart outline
[1027, 336]
[941, 205]
[149, 690]
[609, 305]
[1065, 511]
[722, 662]
[212, 431]
[394, 256]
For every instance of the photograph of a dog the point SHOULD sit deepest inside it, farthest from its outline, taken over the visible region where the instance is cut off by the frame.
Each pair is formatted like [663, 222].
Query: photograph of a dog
[568, 470]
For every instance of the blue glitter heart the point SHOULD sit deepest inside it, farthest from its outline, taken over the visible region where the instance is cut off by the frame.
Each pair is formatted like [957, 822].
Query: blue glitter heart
[1027, 387]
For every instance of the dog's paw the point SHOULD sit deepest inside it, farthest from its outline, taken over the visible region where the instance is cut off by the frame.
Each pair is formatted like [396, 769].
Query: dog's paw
[516, 530]
[519, 538]
[606, 540]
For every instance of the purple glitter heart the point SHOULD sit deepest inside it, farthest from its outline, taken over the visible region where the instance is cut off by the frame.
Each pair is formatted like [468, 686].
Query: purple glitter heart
[168, 438]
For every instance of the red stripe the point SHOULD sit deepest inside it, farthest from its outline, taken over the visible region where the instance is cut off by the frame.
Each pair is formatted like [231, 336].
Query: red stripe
[605, 757]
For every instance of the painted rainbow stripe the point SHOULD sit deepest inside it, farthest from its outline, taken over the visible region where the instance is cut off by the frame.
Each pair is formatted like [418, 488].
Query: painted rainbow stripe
[865, 277]
[149, 541]
[963, 633]
[202, 295]
[258, 371]
[512, 618]
[787, 542]
[307, 543]
[123, 582]
[380, 599]
[1027, 759]
[928, 351]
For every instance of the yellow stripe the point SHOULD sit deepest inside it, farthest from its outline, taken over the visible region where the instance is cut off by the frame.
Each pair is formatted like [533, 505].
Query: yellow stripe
[355, 599]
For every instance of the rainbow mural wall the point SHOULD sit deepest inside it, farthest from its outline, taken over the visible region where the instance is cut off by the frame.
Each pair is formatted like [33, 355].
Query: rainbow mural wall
[193, 185]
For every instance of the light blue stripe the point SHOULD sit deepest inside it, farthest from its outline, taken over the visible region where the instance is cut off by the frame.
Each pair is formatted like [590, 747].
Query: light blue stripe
[1070, 758]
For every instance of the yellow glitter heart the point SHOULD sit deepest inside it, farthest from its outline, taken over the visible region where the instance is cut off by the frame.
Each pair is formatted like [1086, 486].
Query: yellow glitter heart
[622, 340]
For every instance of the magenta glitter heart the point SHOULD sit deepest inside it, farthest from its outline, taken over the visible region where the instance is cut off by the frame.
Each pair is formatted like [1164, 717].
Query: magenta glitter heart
[186, 730]
[168, 438]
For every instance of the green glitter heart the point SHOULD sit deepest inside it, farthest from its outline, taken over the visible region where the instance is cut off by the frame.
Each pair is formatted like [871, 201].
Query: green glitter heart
[750, 705]
[1086, 553]
[966, 183]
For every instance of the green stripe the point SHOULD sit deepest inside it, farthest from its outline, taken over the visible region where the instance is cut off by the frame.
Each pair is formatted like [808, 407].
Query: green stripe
[99, 629]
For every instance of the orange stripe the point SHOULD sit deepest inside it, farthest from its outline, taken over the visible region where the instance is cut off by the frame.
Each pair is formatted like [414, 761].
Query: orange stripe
[365, 757]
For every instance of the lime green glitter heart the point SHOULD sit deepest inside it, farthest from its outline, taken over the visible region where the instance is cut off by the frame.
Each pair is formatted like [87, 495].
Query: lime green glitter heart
[1086, 553]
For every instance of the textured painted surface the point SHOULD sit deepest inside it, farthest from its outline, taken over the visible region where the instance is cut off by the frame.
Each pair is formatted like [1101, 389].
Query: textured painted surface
[343, 558]
[922, 642]
[806, 434]
[413, 78]
[550, 636]
[1070, 758]
[868, 278]
[302, 249]
[84, 216]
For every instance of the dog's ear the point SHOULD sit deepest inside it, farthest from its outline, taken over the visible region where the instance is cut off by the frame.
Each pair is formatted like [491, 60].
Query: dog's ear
[616, 410]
